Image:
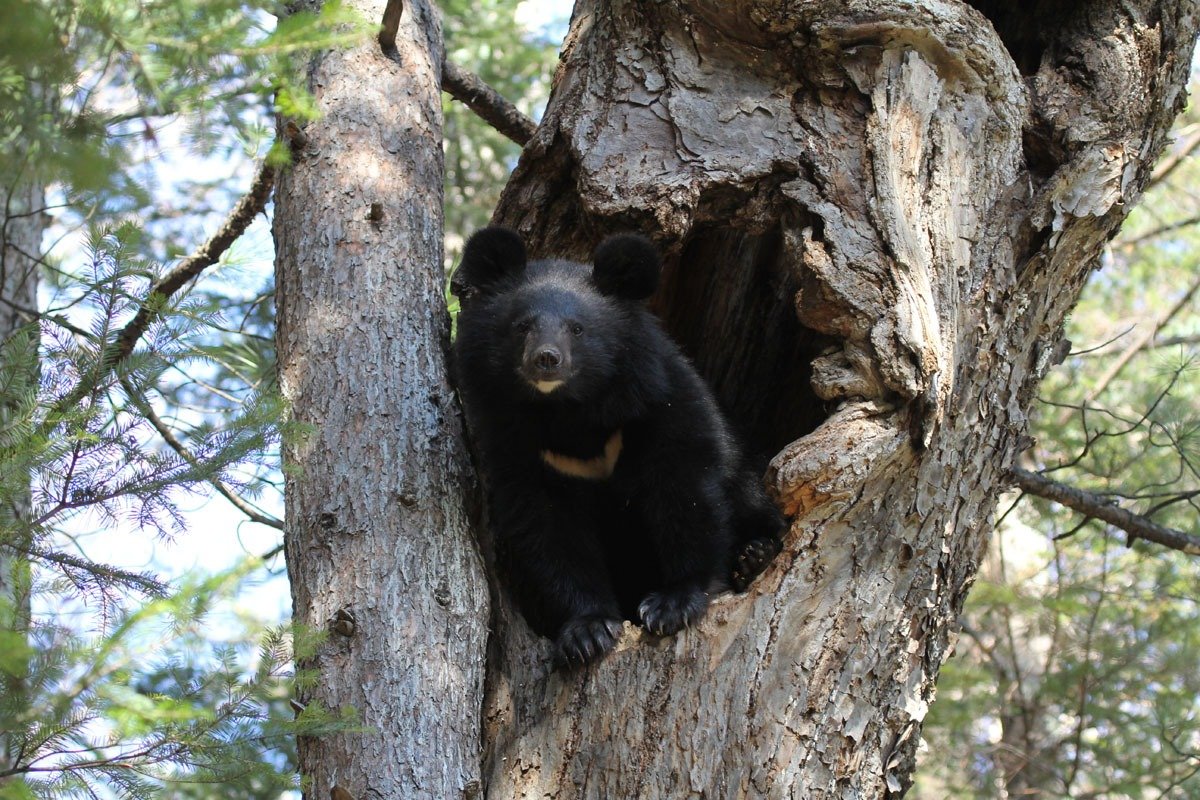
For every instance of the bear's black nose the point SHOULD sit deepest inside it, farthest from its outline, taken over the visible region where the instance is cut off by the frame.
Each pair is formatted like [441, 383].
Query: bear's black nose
[548, 359]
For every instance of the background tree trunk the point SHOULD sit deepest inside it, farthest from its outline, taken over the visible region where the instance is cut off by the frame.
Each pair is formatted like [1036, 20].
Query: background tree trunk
[377, 536]
[20, 254]
[876, 216]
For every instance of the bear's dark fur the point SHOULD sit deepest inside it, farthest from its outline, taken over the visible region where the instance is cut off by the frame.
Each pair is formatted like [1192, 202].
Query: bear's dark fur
[616, 490]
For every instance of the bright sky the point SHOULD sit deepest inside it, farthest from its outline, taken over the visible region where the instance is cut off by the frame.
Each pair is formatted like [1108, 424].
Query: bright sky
[544, 16]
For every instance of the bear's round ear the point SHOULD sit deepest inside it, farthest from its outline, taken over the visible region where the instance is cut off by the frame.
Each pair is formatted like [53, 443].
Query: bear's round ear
[489, 255]
[626, 265]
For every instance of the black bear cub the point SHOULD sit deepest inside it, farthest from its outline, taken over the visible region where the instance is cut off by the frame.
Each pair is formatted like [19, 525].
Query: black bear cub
[615, 488]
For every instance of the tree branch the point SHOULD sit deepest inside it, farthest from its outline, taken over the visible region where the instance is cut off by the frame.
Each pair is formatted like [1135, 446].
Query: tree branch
[1130, 244]
[235, 225]
[1157, 344]
[103, 574]
[390, 25]
[1139, 343]
[179, 447]
[1093, 505]
[487, 103]
[1186, 145]
[465, 87]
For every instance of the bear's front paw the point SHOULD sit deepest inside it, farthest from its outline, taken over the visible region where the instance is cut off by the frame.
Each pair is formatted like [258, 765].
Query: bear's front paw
[751, 559]
[586, 639]
[664, 613]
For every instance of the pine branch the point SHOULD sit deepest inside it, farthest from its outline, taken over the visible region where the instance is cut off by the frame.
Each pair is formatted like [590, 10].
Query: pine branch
[235, 224]
[103, 574]
[1101, 508]
[179, 447]
[487, 103]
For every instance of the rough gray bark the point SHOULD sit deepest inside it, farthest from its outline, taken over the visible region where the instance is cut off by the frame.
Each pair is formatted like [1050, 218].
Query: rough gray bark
[23, 224]
[894, 203]
[377, 536]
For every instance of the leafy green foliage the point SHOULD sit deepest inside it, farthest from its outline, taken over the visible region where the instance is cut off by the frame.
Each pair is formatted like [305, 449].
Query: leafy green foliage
[119, 440]
[141, 119]
[94, 455]
[113, 713]
[78, 712]
[85, 84]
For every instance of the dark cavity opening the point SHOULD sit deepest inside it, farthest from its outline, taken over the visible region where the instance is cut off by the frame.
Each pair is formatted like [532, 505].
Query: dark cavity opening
[728, 300]
[1029, 28]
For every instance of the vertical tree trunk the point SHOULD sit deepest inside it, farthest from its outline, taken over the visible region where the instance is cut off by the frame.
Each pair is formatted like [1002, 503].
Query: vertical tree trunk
[871, 199]
[378, 545]
[20, 251]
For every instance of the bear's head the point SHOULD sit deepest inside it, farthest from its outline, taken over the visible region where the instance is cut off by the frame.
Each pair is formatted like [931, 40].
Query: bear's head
[562, 325]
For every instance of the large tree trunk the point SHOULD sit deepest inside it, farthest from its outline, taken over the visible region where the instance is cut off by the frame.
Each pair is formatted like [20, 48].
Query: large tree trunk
[891, 203]
[377, 535]
[876, 215]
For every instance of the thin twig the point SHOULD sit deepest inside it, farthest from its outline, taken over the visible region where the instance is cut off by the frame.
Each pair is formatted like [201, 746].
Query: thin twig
[487, 103]
[1136, 525]
[1157, 344]
[1170, 227]
[1188, 143]
[1140, 342]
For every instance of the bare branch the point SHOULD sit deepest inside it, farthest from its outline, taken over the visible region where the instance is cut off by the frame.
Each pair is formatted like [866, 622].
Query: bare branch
[1093, 505]
[1139, 343]
[487, 103]
[1130, 244]
[1157, 344]
[390, 25]
[465, 87]
[1187, 144]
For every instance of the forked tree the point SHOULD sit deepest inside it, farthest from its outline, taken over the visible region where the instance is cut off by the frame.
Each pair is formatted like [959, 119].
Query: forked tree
[875, 216]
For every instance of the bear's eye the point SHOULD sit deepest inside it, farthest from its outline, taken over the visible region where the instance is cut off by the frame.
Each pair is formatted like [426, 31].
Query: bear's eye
[523, 326]
[576, 329]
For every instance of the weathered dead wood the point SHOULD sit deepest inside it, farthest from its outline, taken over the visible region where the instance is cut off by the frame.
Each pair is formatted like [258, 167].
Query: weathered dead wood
[882, 177]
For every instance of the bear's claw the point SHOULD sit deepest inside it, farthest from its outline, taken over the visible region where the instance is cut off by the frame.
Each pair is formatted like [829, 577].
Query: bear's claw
[584, 640]
[664, 613]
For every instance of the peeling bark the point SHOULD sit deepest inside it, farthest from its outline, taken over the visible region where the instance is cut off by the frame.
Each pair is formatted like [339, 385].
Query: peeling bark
[876, 216]
[377, 534]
